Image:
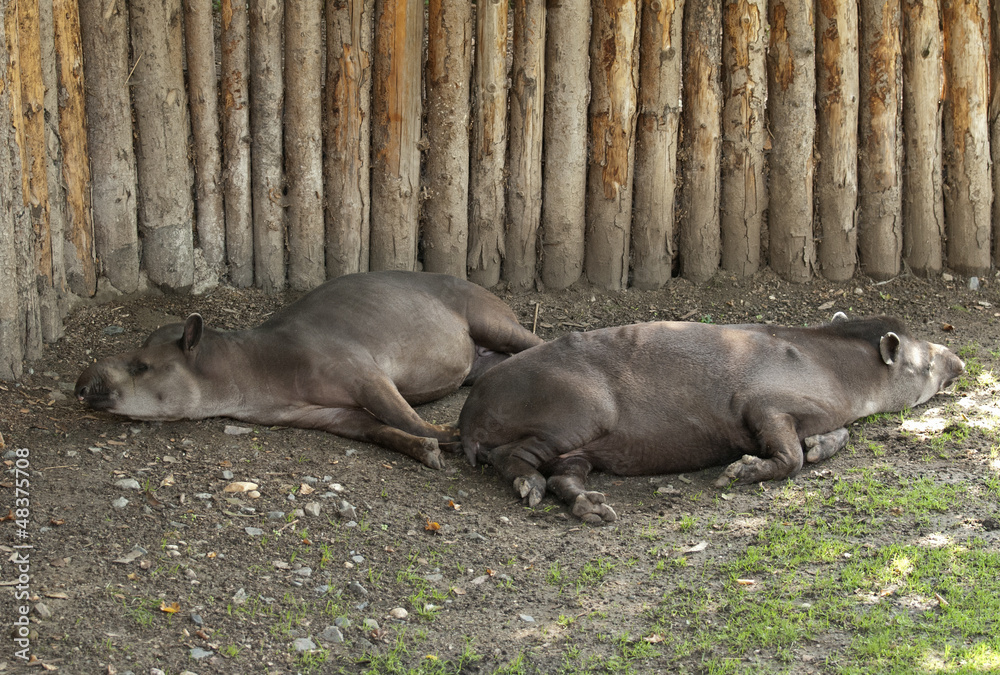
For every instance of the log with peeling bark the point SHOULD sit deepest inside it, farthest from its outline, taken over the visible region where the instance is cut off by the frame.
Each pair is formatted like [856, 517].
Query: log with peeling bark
[653, 198]
[743, 191]
[487, 212]
[837, 138]
[396, 111]
[449, 64]
[614, 76]
[236, 142]
[347, 141]
[700, 239]
[266, 171]
[564, 177]
[53, 301]
[880, 231]
[524, 145]
[81, 272]
[968, 190]
[791, 94]
[923, 79]
[203, 88]
[112, 158]
[304, 143]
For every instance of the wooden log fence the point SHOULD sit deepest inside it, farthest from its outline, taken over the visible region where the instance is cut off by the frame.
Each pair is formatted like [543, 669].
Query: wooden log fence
[523, 143]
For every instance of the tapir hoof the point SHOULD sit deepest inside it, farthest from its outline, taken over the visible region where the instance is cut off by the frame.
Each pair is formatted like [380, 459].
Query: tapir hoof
[531, 489]
[745, 470]
[824, 446]
[590, 507]
[446, 434]
[430, 454]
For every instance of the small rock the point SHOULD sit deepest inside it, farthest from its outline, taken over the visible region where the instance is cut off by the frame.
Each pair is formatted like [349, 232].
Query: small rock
[190, 573]
[357, 588]
[227, 475]
[310, 480]
[434, 578]
[196, 618]
[947, 277]
[72, 453]
[10, 454]
[337, 487]
[253, 494]
[370, 624]
[240, 486]
[275, 515]
[240, 597]
[303, 645]
[198, 653]
[973, 283]
[312, 509]
[347, 511]
[120, 503]
[350, 452]
[331, 634]
[304, 572]
[322, 590]
[350, 523]
[399, 613]
[298, 513]
[113, 330]
[505, 520]
[527, 618]
[254, 531]
[42, 611]
[342, 622]
[203, 495]
[233, 430]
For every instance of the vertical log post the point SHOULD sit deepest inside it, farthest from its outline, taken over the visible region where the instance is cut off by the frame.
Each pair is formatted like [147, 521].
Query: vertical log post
[203, 91]
[81, 272]
[791, 92]
[968, 190]
[837, 138]
[567, 95]
[396, 113]
[348, 135]
[236, 142]
[267, 184]
[923, 79]
[449, 65]
[524, 145]
[744, 184]
[487, 214]
[304, 143]
[614, 79]
[656, 143]
[700, 236]
[104, 29]
[880, 231]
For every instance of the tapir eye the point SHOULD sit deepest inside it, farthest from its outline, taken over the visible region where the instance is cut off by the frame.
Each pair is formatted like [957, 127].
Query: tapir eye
[138, 368]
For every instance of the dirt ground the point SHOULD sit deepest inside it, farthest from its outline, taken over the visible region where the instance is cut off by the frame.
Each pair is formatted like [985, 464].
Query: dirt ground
[140, 560]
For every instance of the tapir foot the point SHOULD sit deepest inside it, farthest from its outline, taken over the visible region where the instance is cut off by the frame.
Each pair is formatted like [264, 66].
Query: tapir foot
[531, 488]
[824, 446]
[429, 454]
[590, 507]
[749, 469]
[446, 434]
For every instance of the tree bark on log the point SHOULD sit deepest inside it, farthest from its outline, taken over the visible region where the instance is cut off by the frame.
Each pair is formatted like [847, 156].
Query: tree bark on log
[837, 91]
[348, 135]
[792, 92]
[304, 143]
[657, 127]
[700, 240]
[487, 212]
[923, 80]
[524, 145]
[81, 272]
[567, 95]
[203, 95]
[104, 30]
[743, 199]
[880, 231]
[236, 143]
[614, 79]
[449, 66]
[55, 301]
[968, 190]
[396, 111]
[267, 184]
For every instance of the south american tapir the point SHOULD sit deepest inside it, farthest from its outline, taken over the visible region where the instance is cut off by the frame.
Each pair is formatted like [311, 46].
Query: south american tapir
[350, 357]
[670, 397]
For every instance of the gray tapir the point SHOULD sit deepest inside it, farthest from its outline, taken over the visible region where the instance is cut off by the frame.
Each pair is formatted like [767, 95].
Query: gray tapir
[349, 357]
[668, 397]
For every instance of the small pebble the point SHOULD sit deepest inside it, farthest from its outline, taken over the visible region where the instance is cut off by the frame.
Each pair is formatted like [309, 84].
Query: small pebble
[527, 618]
[399, 613]
[227, 475]
[275, 515]
[303, 645]
[233, 430]
[370, 624]
[254, 531]
[312, 509]
[120, 503]
[331, 634]
[357, 588]
[199, 653]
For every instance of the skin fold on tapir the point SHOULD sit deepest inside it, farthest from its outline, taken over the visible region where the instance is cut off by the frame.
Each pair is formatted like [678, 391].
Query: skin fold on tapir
[668, 397]
[350, 357]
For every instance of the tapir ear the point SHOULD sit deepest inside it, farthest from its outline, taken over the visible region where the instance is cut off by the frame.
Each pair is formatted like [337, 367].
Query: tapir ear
[889, 348]
[194, 328]
[839, 317]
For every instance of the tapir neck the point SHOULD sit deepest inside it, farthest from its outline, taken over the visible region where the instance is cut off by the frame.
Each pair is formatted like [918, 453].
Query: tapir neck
[236, 372]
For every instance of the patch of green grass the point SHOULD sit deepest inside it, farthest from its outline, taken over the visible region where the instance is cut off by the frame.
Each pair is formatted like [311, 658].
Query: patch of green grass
[594, 571]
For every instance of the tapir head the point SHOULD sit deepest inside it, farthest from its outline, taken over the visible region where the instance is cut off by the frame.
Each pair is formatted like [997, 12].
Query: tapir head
[155, 382]
[917, 370]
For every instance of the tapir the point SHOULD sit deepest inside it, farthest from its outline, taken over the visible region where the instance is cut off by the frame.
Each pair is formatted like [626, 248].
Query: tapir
[350, 357]
[670, 397]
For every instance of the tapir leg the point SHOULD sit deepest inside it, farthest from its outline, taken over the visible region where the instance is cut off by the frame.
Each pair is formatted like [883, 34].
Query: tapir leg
[518, 463]
[379, 396]
[825, 446]
[568, 475]
[779, 440]
[361, 426]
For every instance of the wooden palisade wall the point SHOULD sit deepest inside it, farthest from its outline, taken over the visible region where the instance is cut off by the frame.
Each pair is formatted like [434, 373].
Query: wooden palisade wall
[527, 143]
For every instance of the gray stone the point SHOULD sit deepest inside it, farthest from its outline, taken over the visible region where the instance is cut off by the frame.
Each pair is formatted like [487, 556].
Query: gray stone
[275, 515]
[203, 495]
[113, 330]
[312, 509]
[357, 588]
[42, 611]
[331, 634]
[198, 653]
[342, 622]
[527, 618]
[254, 531]
[303, 645]
[120, 503]
[227, 475]
[370, 624]
[304, 572]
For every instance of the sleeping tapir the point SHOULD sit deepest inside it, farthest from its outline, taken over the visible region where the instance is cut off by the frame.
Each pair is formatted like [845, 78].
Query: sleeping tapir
[669, 397]
[349, 357]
